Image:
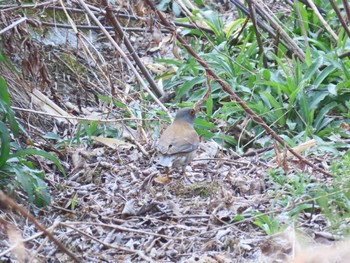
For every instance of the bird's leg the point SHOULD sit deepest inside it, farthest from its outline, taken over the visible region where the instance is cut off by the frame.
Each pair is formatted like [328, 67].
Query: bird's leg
[187, 180]
[167, 172]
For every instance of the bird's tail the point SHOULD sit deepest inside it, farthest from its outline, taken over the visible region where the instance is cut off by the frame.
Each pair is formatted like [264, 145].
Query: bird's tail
[166, 160]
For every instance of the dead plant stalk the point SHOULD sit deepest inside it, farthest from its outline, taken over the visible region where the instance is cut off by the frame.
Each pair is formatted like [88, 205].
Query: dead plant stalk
[125, 57]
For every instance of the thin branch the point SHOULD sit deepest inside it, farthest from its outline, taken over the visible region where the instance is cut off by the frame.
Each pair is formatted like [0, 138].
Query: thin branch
[267, 29]
[345, 26]
[320, 17]
[78, 118]
[14, 24]
[12, 7]
[97, 240]
[119, 30]
[292, 45]
[132, 29]
[347, 9]
[125, 57]
[257, 33]
[301, 23]
[9, 203]
[125, 229]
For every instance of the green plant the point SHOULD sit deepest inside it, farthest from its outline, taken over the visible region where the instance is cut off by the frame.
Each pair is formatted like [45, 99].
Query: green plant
[298, 99]
[334, 199]
[269, 223]
[74, 201]
[15, 168]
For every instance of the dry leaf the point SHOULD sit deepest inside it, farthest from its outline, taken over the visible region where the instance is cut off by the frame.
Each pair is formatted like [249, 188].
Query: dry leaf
[162, 179]
[15, 239]
[112, 142]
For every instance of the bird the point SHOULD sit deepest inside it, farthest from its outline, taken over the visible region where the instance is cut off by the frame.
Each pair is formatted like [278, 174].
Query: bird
[178, 144]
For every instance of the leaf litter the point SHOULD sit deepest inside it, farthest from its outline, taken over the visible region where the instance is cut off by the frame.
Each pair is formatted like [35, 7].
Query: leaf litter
[116, 205]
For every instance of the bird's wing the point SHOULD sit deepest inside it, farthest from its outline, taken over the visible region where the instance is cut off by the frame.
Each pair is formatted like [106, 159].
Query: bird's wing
[179, 139]
[184, 148]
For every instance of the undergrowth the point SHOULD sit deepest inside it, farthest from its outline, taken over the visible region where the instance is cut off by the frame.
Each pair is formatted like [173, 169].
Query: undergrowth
[17, 171]
[300, 100]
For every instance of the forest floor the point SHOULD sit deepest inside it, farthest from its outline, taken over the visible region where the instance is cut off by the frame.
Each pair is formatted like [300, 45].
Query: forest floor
[117, 205]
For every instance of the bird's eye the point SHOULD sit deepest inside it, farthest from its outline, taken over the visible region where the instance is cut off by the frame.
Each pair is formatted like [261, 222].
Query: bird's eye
[193, 112]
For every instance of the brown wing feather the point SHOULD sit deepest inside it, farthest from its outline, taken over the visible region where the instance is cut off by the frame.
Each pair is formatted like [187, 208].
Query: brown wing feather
[180, 137]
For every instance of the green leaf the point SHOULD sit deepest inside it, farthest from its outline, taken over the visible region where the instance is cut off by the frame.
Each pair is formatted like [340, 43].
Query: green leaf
[41, 194]
[52, 136]
[74, 201]
[319, 124]
[215, 23]
[304, 16]
[209, 106]
[308, 59]
[266, 74]
[238, 218]
[52, 158]
[163, 5]
[235, 25]
[199, 2]
[304, 107]
[324, 74]
[227, 138]
[25, 180]
[316, 97]
[278, 107]
[12, 121]
[204, 124]
[5, 144]
[4, 95]
[313, 68]
[185, 88]
[176, 9]
[291, 125]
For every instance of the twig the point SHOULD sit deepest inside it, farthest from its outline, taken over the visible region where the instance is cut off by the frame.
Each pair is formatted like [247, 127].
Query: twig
[301, 23]
[343, 55]
[8, 202]
[347, 9]
[320, 17]
[125, 57]
[235, 40]
[39, 248]
[257, 119]
[340, 17]
[133, 29]
[119, 50]
[110, 16]
[292, 45]
[276, 42]
[257, 33]
[42, 5]
[97, 240]
[78, 118]
[120, 228]
[305, 2]
[269, 30]
[14, 24]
